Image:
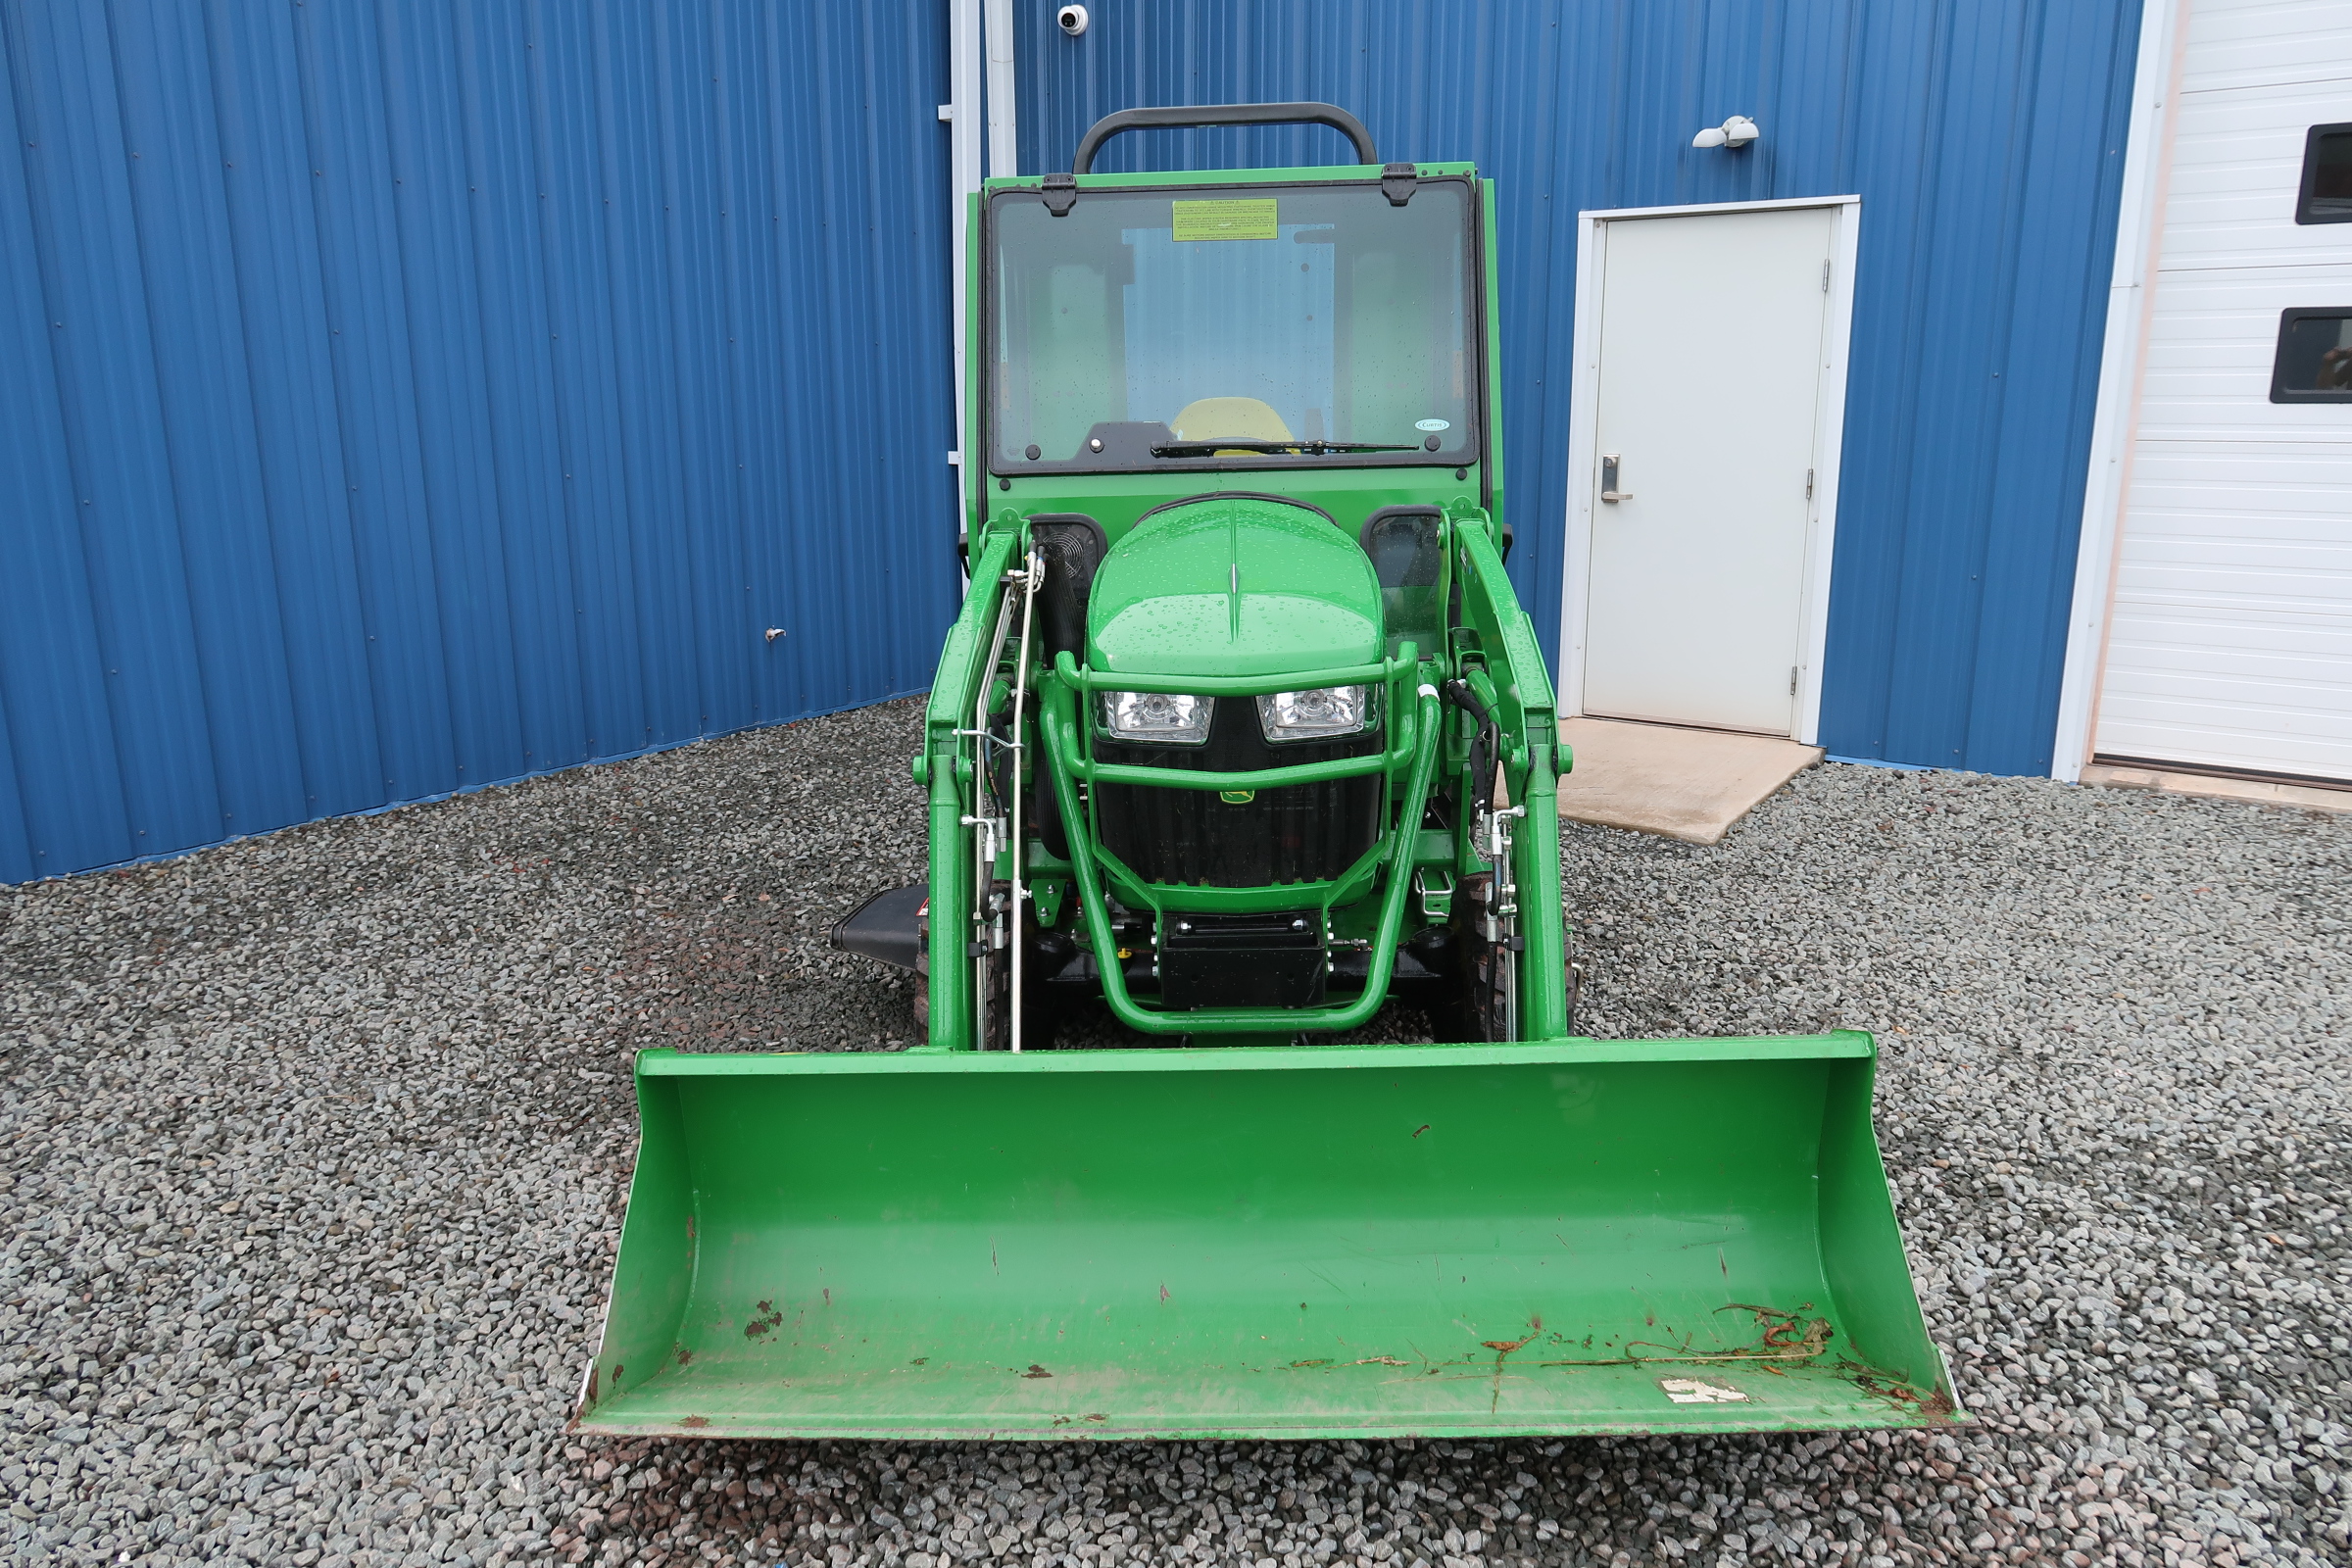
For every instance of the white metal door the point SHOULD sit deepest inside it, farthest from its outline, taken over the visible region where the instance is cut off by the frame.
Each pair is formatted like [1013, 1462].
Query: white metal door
[1712, 351]
[2230, 642]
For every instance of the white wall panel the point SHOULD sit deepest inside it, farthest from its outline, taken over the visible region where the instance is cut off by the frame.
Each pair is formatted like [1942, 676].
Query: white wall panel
[2231, 636]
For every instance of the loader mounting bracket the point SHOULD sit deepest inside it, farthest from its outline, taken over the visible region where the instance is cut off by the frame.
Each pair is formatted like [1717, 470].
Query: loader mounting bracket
[1242, 961]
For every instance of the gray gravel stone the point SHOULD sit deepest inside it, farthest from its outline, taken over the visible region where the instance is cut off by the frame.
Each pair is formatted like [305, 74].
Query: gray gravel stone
[316, 1144]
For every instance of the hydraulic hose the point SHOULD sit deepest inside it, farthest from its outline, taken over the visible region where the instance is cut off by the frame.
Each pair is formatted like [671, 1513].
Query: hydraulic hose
[1486, 745]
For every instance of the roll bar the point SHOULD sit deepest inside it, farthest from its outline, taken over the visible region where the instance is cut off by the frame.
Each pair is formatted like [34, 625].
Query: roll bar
[1331, 115]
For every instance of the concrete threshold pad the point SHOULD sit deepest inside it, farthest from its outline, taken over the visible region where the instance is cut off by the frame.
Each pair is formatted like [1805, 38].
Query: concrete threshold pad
[1688, 784]
[2263, 791]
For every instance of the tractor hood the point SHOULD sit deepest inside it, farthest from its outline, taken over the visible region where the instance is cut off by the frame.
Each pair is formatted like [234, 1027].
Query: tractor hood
[1234, 586]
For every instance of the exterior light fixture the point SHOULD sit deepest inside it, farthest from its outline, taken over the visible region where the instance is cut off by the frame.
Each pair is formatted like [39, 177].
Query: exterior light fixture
[1736, 131]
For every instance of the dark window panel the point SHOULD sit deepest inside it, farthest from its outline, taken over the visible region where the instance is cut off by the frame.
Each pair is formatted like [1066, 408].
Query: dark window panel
[2314, 363]
[2326, 195]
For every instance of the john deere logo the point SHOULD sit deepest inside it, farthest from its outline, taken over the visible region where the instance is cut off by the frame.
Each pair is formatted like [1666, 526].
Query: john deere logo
[1236, 797]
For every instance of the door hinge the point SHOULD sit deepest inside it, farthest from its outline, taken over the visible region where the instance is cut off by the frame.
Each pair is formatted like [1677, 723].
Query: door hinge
[1824, 278]
[1808, 484]
[1792, 680]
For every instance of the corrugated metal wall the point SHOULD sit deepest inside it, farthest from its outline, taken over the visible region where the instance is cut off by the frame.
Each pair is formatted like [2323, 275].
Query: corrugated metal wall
[400, 397]
[1986, 139]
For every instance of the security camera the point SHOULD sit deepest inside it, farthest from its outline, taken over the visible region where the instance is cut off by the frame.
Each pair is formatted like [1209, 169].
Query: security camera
[1071, 20]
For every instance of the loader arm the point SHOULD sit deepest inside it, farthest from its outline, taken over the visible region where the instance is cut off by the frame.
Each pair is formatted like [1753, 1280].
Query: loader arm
[1532, 762]
[948, 769]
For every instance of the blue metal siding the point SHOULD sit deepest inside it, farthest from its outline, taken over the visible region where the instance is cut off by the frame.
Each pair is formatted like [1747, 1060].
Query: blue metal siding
[1986, 139]
[398, 398]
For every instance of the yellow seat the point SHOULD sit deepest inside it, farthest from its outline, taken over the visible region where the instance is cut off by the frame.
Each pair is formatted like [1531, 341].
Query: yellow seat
[1242, 418]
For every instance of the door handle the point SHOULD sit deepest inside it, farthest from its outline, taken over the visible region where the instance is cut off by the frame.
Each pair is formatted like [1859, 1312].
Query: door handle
[1608, 479]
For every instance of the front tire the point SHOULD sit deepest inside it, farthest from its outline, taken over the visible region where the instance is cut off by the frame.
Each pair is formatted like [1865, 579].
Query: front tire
[1040, 1008]
[1481, 1001]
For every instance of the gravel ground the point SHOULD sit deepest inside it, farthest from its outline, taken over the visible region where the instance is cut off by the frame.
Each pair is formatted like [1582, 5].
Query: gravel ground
[315, 1145]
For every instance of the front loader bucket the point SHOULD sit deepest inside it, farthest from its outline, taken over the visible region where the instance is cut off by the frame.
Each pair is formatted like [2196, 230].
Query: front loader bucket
[1563, 1237]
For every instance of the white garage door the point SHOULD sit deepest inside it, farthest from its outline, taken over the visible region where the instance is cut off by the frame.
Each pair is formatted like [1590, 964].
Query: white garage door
[2231, 641]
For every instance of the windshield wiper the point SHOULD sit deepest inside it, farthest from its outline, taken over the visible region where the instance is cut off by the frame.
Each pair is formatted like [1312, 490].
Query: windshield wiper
[1314, 448]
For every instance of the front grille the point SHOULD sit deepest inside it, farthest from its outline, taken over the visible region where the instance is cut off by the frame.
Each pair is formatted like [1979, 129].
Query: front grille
[1304, 833]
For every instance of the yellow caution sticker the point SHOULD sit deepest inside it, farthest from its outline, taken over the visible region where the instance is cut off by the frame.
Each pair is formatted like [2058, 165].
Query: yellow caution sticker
[1249, 218]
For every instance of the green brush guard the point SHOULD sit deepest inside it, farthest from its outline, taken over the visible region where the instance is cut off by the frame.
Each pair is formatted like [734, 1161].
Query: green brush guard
[1562, 1237]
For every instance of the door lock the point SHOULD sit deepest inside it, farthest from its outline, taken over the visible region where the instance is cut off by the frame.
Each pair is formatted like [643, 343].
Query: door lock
[1608, 479]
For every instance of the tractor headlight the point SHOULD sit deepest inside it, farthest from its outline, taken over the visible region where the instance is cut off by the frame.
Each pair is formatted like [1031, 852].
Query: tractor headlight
[1169, 719]
[1317, 714]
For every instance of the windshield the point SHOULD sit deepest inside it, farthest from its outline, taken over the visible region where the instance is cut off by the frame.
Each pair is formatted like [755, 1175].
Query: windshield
[1313, 324]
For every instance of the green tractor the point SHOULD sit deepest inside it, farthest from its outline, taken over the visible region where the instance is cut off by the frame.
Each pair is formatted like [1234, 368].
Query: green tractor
[1242, 741]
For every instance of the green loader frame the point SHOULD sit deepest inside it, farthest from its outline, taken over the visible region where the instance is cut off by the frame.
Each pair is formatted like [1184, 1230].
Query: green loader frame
[1242, 741]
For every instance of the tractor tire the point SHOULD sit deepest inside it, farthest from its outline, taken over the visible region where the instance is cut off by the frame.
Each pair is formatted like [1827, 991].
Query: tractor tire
[996, 989]
[1479, 1005]
[1040, 1010]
